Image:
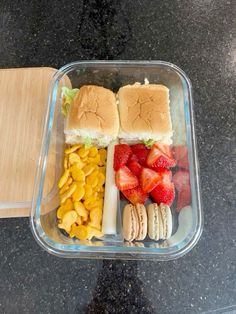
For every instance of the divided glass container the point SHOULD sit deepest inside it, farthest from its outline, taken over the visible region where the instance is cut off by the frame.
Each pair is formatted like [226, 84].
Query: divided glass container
[187, 225]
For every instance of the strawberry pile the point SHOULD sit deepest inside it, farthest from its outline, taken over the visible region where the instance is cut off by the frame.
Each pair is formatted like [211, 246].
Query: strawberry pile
[140, 171]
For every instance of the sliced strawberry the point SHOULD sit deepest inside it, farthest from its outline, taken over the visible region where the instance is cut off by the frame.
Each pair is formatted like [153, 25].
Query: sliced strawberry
[149, 179]
[181, 179]
[134, 167]
[121, 156]
[136, 195]
[158, 158]
[166, 149]
[163, 193]
[184, 198]
[164, 173]
[142, 156]
[133, 157]
[181, 155]
[137, 147]
[182, 183]
[125, 179]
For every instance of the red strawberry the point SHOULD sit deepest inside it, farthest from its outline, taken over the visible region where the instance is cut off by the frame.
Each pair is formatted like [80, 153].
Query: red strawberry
[165, 174]
[137, 147]
[160, 156]
[166, 149]
[184, 198]
[121, 156]
[133, 157]
[142, 156]
[164, 193]
[125, 179]
[134, 167]
[182, 183]
[149, 179]
[181, 179]
[181, 155]
[136, 195]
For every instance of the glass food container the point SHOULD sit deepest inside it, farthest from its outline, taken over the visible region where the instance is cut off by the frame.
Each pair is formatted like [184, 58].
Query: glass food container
[187, 225]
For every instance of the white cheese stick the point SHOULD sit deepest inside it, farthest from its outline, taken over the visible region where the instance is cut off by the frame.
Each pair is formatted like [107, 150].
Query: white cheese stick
[111, 195]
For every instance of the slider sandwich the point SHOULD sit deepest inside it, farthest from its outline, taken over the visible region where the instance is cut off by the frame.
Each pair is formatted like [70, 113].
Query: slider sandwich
[93, 117]
[144, 114]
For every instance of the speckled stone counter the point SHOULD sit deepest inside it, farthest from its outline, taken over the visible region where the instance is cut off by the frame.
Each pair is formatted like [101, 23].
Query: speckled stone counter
[199, 37]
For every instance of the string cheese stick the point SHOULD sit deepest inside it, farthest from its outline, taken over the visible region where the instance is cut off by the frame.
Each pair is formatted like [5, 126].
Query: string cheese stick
[111, 195]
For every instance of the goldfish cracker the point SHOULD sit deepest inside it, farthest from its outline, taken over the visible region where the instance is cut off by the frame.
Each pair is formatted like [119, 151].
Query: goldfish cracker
[74, 158]
[95, 160]
[88, 203]
[102, 170]
[101, 179]
[68, 219]
[88, 169]
[77, 174]
[94, 224]
[81, 232]
[92, 180]
[100, 195]
[63, 178]
[95, 214]
[62, 210]
[99, 189]
[69, 192]
[80, 209]
[93, 151]
[83, 152]
[66, 186]
[98, 203]
[68, 205]
[66, 163]
[88, 191]
[72, 149]
[76, 163]
[73, 230]
[94, 232]
[78, 193]
[85, 160]
[103, 156]
[79, 220]
[95, 173]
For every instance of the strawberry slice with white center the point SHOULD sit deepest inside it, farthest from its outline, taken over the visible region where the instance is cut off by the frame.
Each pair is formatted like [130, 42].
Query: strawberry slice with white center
[149, 179]
[125, 179]
[136, 195]
[160, 156]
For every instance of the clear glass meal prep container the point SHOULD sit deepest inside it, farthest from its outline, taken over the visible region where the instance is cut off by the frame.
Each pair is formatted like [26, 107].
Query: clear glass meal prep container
[187, 226]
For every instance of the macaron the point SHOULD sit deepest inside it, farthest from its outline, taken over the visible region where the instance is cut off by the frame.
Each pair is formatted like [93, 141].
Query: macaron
[134, 222]
[142, 221]
[130, 222]
[159, 222]
[166, 220]
[153, 221]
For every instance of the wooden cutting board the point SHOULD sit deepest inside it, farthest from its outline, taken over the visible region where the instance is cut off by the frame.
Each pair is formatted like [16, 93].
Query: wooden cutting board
[23, 101]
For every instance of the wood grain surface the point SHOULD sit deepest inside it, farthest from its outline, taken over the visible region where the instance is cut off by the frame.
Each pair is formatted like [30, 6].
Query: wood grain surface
[23, 100]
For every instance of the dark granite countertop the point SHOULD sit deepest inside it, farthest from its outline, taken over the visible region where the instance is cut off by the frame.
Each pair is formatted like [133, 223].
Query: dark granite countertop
[198, 36]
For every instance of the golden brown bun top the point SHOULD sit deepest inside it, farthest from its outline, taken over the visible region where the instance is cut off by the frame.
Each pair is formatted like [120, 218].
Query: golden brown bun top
[94, 107]
[145, 108]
